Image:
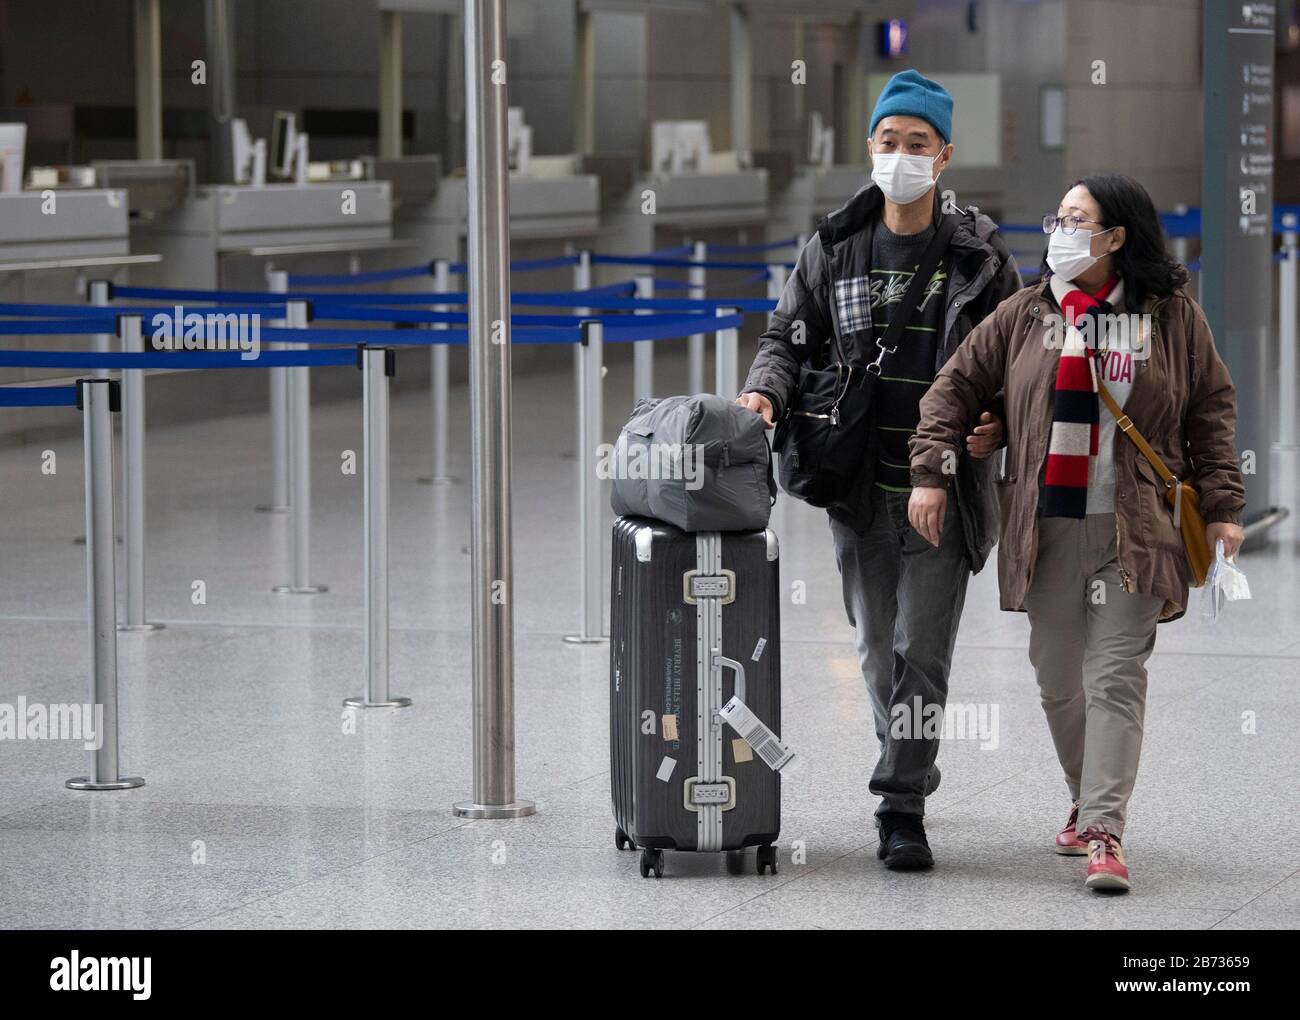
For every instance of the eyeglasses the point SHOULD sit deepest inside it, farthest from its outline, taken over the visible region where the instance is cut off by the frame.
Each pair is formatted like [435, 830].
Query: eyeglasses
[1068, 224]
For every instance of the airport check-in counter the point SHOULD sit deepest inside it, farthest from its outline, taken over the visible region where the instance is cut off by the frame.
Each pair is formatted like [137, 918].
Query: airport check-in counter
[716, 208]
[226, 236]
[549, 217]
[809, 195]
[51, 244]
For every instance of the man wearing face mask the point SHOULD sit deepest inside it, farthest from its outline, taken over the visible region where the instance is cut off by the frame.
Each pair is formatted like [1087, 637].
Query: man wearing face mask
[903, 595]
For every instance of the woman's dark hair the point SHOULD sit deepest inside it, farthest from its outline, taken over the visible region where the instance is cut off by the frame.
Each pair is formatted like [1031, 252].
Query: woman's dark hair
[1143, 262]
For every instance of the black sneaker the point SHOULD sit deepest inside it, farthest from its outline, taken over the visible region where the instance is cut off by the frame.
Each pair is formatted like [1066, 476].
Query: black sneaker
[903, 846]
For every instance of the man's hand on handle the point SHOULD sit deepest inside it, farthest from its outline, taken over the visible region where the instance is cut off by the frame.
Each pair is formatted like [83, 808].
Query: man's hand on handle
[757, 403]
[925, 509]
[987, 436]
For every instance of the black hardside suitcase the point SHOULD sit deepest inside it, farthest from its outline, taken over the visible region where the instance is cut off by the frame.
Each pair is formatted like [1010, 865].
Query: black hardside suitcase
[693, 617]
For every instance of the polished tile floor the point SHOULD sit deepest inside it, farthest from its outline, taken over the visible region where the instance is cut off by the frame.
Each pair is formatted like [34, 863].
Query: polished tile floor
[264, 808]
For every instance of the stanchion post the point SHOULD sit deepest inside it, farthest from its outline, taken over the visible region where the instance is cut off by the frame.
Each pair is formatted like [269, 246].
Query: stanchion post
[590, 424]
[581, 281]
[277, 281]
[98, 399]
[726, 355]
[440, 385]
[299, 466]
[130, 331]
[377, 366]
[1288, 311]
[491, 554]
[695, 343]
[100, 294]
[643, 351]
[775, 285]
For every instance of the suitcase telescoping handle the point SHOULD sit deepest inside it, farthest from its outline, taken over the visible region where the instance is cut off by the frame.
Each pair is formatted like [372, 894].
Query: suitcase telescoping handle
[722, 661]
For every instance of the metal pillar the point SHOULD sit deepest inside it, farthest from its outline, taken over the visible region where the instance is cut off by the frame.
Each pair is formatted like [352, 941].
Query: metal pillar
[148, 80]
[1288, 311]
[390, 84]
[219, 18]
[584, 99]
[130, 330]
[590, 423]
[643, 351]
[377, 365]
[491, 566]
[726, 356]
[277, 281]
[695, 343]
[299, 467]
[775, 285]
[440, 386]
[742, 85]
[98, 398]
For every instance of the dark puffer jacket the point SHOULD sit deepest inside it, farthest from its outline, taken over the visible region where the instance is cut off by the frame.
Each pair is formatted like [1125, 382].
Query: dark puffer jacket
[981, 273]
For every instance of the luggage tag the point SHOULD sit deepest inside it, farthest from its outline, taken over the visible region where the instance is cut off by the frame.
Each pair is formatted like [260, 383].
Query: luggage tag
[766, 744]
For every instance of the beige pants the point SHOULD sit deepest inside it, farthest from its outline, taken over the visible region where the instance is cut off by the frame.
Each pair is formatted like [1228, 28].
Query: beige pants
[1089, 643]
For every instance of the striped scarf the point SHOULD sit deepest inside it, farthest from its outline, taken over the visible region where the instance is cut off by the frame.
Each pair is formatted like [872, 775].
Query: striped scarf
[1075, 414]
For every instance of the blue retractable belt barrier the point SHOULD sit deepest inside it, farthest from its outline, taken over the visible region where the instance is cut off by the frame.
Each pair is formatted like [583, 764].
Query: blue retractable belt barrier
[38, 396]
[174, 359]
[741, 249]
[80, 326]
[655, 260]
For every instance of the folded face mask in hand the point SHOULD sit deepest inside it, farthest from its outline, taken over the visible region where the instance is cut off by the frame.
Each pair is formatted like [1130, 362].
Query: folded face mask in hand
[1226, 582]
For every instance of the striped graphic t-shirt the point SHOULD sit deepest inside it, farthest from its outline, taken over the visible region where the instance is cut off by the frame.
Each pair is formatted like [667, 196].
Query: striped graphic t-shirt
[908, 372]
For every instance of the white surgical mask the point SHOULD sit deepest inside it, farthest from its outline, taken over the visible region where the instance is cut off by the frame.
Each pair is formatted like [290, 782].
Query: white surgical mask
[903, 179]
[1070, 255]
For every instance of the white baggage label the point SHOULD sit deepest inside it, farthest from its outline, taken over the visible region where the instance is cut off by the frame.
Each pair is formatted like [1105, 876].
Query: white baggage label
[766, 744]
[666, 767]
[758, 649]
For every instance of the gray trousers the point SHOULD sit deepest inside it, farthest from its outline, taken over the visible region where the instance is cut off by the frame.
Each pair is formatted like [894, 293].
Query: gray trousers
[1089, 643]
[904, 598]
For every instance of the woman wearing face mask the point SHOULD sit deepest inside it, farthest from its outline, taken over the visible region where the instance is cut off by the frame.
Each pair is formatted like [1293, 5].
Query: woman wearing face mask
[1090, 547]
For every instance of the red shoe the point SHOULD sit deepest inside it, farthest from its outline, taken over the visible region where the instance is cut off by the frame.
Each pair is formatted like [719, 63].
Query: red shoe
[1106, 867]
[1067, 840]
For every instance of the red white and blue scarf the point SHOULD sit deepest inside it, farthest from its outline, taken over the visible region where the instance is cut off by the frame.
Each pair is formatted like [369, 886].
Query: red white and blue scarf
[1075, 407]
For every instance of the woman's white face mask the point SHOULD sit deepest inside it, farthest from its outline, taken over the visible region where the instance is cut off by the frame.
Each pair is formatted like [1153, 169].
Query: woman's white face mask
[1070, 255]
[903, 179]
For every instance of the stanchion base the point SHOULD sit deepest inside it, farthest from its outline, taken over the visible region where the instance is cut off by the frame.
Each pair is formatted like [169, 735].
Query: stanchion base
[292, 589]
[440, 480]
[271, 508]
[139, 628]
[578, 639]
[390, 703]
[515, 809]
[86, 783]
[81, 540]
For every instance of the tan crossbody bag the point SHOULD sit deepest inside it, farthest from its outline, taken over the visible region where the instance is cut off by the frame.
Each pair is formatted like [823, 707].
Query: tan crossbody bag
[1180, 495]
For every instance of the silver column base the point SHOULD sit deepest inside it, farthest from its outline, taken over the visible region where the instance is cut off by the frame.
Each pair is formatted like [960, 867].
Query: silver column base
[516, 809]
[139, 628]
[361, 702]
[293, 589]
[86, 783]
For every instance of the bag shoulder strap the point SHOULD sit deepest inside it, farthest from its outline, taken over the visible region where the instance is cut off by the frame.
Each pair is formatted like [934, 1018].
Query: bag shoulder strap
[1126, 426]
[934, 252]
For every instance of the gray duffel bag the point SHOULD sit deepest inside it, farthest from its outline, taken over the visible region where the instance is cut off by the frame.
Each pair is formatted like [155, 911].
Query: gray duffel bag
[701, 463]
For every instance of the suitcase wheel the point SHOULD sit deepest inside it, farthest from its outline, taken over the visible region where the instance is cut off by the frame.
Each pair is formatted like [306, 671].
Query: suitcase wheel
[652, 860]
[623, 841]
[767, 858]
[735, 862]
